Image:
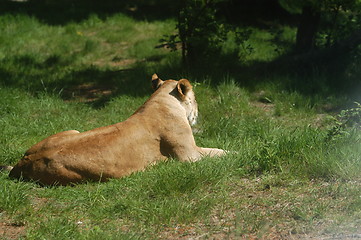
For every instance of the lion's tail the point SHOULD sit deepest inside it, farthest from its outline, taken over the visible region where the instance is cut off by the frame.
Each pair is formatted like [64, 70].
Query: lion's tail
[5, 168]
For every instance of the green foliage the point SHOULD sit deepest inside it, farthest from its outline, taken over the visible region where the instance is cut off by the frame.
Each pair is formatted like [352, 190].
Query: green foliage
[339, 18]
[346, 122]
[202, 33]
[202, 28]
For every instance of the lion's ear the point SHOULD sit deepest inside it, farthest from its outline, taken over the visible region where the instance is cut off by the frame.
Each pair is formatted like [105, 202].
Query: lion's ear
[183, 87]
[156, 82]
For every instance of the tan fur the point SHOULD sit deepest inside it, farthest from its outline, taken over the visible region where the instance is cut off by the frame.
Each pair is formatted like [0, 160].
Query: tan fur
[159, 129]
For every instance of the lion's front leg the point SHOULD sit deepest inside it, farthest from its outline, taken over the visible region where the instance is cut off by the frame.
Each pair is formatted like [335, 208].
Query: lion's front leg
[186, 149]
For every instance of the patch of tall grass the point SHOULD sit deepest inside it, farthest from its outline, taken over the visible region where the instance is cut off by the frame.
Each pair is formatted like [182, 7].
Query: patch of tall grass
[14, 196]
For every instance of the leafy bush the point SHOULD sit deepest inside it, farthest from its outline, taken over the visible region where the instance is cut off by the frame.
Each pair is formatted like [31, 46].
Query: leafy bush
[346, 121]
[201, 32]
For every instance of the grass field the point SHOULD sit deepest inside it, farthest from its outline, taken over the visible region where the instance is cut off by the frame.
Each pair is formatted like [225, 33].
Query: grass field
[286, 178]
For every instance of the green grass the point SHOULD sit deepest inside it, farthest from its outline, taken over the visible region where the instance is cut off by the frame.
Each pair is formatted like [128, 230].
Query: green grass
[283, 177]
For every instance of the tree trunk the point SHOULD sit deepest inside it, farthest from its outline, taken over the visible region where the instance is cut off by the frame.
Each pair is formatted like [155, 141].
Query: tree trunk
[307, 29]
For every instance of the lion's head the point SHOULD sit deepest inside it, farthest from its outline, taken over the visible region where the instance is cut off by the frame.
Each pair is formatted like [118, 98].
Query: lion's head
[183, 91]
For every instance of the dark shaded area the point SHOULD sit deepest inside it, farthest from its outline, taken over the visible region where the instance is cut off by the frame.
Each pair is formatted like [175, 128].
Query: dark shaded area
[307, 29]
[243, 12]
[62, 12]
[259, 13]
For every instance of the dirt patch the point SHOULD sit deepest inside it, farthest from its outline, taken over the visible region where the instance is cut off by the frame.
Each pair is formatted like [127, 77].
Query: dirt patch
[11, 230]
[263, 102]
[122, 62]
[266, 107]
[88, 92]
[118, 63]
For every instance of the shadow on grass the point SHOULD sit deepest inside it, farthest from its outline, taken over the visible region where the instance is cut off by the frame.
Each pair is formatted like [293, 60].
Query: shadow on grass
[96, 85]
[324, 72]
[91, 84]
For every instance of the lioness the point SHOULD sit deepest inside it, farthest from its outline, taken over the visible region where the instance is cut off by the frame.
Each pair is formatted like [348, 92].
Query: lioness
[159, 129]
